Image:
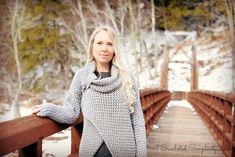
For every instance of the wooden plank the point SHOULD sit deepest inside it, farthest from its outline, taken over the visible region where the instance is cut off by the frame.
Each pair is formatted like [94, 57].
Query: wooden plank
[182, 133]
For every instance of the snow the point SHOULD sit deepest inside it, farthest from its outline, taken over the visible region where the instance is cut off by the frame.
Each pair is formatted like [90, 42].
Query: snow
[181, 103]
[8, 114]
[59, 148]
[219, 80]
[217, 59]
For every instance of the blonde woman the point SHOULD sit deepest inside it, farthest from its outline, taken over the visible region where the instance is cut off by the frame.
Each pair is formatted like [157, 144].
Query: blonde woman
[108, 97]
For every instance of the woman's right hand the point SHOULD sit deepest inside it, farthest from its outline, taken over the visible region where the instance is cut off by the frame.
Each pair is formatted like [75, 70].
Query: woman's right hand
[37, 110]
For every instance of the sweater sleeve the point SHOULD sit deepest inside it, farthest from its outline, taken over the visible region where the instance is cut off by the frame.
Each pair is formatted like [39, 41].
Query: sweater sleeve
[137, 118]
[69, 112]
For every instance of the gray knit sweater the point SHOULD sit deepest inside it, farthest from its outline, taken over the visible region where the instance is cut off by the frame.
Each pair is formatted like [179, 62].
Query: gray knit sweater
[106, 114]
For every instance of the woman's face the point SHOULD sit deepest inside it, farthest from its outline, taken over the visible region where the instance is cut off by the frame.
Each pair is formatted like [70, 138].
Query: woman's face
[103, 50]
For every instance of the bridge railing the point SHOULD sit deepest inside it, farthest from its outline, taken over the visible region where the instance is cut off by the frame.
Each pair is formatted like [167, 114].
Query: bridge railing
[26, 134]
[153, 103]
[217, 111]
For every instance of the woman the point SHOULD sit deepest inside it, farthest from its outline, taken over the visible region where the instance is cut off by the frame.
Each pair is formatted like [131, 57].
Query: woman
[109, 99]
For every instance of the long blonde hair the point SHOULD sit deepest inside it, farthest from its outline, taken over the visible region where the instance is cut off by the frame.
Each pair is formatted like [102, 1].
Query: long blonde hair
[123, 72]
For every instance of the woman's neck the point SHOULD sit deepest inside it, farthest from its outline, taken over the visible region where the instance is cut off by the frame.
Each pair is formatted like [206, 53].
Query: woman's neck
[102, 67]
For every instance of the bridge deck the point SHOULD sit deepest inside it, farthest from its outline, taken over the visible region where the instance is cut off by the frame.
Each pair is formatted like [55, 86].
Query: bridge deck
[181, 133]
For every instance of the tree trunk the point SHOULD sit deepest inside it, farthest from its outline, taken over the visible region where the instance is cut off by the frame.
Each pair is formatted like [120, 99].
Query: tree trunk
[154, 35]
[66, 76]
[148, 57]
[133, 38]
[15, 38]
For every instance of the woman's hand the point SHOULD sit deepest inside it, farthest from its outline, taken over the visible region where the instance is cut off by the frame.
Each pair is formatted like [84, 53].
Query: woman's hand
[37, 110]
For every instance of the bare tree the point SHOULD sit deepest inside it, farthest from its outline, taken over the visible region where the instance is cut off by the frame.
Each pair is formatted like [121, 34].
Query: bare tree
[76, 26]
[125, 16]
[19, 22]
[111, 15]
[149, 60]
[133, 29]
[123, 11]
[153, 31]
[95, 12]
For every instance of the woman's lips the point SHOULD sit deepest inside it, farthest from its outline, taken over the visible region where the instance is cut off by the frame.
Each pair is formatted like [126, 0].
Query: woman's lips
[104, 55]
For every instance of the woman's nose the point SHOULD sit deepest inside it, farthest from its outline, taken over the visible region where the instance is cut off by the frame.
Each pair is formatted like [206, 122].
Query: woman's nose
[104, 47]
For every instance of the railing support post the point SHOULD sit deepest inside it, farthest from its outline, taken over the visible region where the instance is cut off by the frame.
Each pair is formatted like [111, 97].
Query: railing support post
[76, 134]
[233, 130]
[34, 149]
[233, 151]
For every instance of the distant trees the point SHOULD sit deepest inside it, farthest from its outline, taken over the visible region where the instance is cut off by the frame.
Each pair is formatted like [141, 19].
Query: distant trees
[45, 42]
[187, 14]
[126, 17]
[29, 37]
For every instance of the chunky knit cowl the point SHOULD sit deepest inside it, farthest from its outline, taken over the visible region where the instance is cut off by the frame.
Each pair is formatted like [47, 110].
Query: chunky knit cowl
[106, 114]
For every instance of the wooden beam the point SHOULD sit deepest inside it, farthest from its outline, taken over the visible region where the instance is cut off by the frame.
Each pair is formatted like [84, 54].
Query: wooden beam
[76, 134]
[194, 72]
[164, 69]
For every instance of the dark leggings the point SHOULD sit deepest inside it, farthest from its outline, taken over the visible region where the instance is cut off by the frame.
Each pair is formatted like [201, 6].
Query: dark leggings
[103, 151]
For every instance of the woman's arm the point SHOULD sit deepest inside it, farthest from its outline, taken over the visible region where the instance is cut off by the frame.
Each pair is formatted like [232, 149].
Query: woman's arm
[137, 118]
[69, 112]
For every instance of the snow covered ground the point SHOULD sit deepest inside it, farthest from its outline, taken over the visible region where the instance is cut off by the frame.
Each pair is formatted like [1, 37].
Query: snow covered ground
[215, 66]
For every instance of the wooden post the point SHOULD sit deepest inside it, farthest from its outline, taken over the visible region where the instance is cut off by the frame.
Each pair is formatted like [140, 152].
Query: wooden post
[164, 69]
[194, 74]
[233, 130]
[34, 149]
[76, 134]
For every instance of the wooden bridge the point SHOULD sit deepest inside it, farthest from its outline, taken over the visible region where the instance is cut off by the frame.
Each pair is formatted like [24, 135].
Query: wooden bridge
[206, 127]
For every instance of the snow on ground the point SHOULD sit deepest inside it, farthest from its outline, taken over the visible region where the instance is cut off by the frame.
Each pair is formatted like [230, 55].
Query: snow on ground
[58, 145]
[215, 74]
[219, 78]
[8, 114]
[181, 103]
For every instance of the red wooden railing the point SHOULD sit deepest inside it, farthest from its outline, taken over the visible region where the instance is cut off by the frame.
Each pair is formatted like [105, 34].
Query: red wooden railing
[153, 103]
[26, 134]
[217, 111]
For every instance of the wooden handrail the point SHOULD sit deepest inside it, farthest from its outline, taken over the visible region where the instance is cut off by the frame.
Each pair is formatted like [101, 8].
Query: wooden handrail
[25, 134]
[217, 111]
[22, 132]
[228, 96]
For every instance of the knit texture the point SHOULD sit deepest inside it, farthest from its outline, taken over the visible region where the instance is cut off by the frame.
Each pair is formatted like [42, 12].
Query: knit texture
[106, 114]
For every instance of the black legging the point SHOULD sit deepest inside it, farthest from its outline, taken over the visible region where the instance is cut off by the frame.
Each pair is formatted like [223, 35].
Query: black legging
[103, 151]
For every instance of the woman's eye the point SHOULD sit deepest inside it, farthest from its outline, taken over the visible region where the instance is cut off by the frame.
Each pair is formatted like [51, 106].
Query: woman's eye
[110, 44]
[99, 43]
